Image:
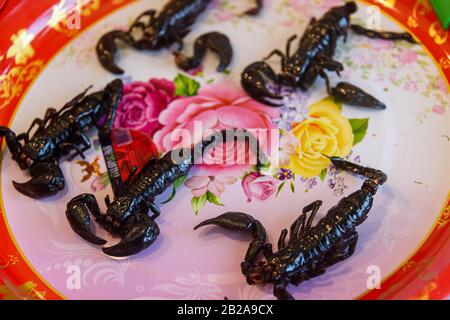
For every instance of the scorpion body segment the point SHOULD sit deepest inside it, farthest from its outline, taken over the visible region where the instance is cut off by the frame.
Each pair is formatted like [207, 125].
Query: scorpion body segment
[217, 42]
[58, 134]
[310, 249]
[313, 57]
[126, 216]
[385, 35]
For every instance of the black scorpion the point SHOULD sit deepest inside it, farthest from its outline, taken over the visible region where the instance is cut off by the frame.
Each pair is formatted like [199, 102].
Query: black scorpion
[154, 31]
[57, 135]
[310, 249]
[313, 57]
[126, 216]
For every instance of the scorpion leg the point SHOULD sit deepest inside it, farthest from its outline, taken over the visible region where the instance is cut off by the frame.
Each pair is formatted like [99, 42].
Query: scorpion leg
[241, 222]
[301, 226]
[82, 143]
[321, 63]
[46, 180]
[67, 147]
[41, 123]
[280, 291]
[77, 213]
[254, 83]
[344, 250]
[138, 233]
[313, 208]
[107, 49]
[267, 250]
[276, 52]
[149, 13]
[289, 45]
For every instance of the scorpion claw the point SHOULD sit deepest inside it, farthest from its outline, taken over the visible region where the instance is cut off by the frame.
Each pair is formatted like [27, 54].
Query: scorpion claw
[350, 94]
[139, 232]
[254, 83]
[107, 49]
[46, 180]
[77, 214]
[238, 221]
[255, 87]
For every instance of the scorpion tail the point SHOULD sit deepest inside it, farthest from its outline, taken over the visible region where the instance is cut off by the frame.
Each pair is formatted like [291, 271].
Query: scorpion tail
[350, 94]
[253, 82]
[77, 214]
[112, 95]
[375, 175]
[107, 49]
[139, 232]
[46, 180]
[217, 42]
[241, 222]
[237, 221]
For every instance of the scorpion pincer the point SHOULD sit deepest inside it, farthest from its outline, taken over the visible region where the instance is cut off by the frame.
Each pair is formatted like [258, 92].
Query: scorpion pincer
[58, 134]
[310, 249]
[127, 216]
[154, 31]
[216, 42]
[313, 57]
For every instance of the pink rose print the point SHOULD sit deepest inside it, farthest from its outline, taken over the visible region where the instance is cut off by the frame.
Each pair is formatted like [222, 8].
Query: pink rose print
[380, 45]
[215, 185]
[142, 104]
[411, 85]
[440, 110]
[258, 186]
[224, 16]
[407, 56]
[217, 107]
[364, 57]
[442, 86]
[100, 183]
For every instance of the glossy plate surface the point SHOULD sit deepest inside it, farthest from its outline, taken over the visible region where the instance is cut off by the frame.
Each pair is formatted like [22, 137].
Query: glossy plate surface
[44, 63]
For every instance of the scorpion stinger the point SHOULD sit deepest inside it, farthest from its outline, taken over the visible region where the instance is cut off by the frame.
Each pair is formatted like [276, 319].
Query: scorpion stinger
[310, 249]
[352, 95]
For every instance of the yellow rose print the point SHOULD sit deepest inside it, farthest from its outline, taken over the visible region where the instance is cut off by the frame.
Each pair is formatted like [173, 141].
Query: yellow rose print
[326, 132]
